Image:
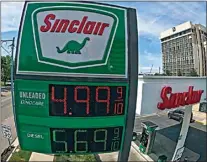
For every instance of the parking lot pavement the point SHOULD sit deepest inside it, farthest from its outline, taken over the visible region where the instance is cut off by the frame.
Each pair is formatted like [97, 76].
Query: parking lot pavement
[134, 156]
[4, 142]
[196, 139]
[199, 126]
[7, 118]
[161, 120]
[6, 108]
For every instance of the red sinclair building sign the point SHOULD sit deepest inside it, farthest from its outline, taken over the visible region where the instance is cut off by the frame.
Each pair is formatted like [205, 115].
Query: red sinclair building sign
[173, 100]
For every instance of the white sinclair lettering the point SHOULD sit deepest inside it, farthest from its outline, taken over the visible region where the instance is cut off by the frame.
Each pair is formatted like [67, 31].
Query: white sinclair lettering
[32, 95]
[36, 103]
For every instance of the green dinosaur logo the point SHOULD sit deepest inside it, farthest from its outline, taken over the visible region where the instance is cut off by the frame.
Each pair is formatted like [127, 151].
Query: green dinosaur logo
[73, 47]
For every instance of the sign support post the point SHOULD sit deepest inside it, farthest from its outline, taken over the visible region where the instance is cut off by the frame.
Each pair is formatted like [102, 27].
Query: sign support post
[9, 143]
[133, 72]
[183, 134]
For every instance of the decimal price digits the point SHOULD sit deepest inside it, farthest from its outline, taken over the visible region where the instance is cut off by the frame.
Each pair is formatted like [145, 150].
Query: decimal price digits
[118, 107]
[115, 146]
[115, 143]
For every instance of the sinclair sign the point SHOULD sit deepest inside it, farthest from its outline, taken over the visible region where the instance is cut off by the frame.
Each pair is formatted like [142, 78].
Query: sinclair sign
[82, 37]
[173, 100]
[75, 77]
[83, 40]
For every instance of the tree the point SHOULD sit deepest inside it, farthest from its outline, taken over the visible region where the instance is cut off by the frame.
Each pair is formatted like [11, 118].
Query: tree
[167, 72]
[193, 72]
[158, 74]
[5, 68]
[179, 73]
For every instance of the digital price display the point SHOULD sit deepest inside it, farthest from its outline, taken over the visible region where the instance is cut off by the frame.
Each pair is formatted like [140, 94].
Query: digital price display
[81, 101]
[86, 140]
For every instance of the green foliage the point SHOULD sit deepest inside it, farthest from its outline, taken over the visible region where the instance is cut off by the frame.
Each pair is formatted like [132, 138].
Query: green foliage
[64, 158]
[193, 73]
[167, 72]
[20, 156]
[179, 73]
[5, 68]
[158, 74]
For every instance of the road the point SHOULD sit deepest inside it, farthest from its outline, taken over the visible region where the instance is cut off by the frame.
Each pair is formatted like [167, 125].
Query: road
[169, 129]
[7, 118]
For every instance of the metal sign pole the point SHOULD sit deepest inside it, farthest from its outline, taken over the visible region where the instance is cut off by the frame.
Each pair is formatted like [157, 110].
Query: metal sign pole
[9, 142]
[133, 75]
[12, 72]
[183, 133]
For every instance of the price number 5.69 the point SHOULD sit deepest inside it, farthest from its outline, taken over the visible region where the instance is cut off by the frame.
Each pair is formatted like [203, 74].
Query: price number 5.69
[85, 140]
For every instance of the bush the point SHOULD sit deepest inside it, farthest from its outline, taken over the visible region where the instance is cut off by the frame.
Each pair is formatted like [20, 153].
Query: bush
[66, 158]
[20, 156]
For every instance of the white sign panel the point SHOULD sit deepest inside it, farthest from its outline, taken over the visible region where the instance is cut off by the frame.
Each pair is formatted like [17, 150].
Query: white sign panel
[150, 90]
[6, 131]
[78, 36]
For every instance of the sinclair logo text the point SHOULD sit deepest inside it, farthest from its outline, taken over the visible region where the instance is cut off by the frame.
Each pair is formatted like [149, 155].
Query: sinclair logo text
[85, 26]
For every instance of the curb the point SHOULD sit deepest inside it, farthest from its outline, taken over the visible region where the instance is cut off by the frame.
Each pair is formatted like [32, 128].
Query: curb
[97, 157]
[201, 122]
[135, 147]
[15, 147]
[35, 156]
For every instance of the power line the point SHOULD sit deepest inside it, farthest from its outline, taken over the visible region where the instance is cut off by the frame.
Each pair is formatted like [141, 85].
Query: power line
[5, 50]
[12, 45]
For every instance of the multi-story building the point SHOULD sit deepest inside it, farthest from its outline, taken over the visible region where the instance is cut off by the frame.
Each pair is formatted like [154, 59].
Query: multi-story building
[184, 49]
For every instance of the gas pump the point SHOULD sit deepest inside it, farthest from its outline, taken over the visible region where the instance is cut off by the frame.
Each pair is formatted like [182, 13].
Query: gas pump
[147, 137]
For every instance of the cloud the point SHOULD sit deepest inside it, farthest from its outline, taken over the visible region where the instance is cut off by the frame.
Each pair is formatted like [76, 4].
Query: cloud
[10, 15]
[153, 17]
[147, 69]
[148, 60]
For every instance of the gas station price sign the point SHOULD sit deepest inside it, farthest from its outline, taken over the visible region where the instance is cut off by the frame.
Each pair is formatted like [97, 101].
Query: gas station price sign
[73, 77]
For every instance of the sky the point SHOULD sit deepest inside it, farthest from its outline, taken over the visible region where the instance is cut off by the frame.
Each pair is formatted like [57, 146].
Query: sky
[153, 18]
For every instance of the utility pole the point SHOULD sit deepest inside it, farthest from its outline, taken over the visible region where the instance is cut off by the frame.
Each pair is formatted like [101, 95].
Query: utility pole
[151, 68]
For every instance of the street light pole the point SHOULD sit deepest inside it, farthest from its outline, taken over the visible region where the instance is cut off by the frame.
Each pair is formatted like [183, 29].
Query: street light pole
[12, 71]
